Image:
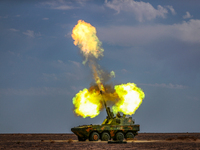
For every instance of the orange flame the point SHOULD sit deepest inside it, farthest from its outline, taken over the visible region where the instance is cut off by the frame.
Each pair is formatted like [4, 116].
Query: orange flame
[130, 98]
[87, 103]
[84, 35]
[126, 97]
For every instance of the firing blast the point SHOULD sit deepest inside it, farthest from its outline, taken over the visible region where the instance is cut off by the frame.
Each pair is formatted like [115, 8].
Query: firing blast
[88, 103]
[84, 35]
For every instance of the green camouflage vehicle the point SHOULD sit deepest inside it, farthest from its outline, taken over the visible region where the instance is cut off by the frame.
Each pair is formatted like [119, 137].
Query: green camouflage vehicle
[116, 128]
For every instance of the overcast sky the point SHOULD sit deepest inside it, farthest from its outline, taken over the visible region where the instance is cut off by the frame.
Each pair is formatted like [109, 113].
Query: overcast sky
[155, 44]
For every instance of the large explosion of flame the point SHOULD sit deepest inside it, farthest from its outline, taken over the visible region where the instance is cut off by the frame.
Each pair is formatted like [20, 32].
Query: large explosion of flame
[126, 98]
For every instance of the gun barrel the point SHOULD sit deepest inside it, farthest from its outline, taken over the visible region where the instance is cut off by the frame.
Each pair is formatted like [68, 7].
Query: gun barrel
[109, 113]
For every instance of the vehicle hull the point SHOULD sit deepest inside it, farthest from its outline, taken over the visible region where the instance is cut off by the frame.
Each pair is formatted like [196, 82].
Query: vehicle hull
[86, 130]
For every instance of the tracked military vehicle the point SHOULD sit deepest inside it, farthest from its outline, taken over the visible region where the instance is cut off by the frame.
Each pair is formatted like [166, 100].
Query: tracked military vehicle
[113, 127]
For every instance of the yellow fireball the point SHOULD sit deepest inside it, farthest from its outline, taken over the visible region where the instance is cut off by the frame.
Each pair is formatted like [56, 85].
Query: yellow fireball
[87, 103]
[130, 97]
[84, 35]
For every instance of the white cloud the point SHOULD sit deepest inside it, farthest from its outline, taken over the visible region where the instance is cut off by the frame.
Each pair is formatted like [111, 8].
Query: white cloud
[29, 33]
[77, 64]
[132, 35]
[142, 10]
[59, 4]
[72, 70]
[71, 66]
[187, 31]
[170, 85]
[45, 19]
[14, 54]
[63, 7]
[49, 77]
[124, 71]
[10, 52]
[172, 10]
[35, 91]
[68, 35]
[12, 29]
[193, 98]
[4, 16]
[60, 61]
[82, 2]
[187, 15]
[38, 34]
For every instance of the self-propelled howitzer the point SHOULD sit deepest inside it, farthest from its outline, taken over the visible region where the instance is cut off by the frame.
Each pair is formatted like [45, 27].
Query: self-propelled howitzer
[113, 127]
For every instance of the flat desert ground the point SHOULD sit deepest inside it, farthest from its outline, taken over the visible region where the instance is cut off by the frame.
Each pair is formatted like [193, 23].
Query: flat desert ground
[69, 141]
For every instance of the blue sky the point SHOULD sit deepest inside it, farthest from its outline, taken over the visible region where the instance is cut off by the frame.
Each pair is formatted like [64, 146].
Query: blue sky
[154, 44]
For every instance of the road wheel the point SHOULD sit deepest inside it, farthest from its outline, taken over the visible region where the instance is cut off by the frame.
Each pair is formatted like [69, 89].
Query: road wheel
[129, 136]
[119, 136]
[94, 136]
[81, 139]
[105, 136]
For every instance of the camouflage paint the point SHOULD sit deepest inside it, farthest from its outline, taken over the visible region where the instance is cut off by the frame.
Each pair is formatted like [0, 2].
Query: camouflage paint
[88, 129]
[111, 125]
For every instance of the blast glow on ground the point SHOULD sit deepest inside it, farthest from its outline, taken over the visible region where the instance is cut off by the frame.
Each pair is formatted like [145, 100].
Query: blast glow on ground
[126, 97]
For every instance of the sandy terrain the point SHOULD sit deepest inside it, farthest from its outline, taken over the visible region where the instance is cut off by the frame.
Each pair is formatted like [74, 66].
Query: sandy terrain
[69, 141]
